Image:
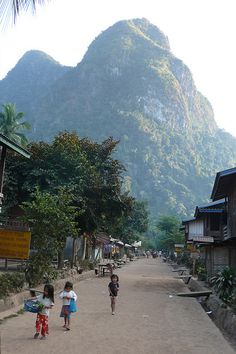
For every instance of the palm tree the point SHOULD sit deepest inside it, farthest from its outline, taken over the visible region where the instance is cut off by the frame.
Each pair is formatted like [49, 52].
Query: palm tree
[10, 124]
[12, 8]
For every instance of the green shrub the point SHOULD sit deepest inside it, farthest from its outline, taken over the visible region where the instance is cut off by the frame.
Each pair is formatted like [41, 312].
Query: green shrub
[184, 258]
[39, 270]
[223, 283]
[86, 264]
[11, 283]
[201, 270]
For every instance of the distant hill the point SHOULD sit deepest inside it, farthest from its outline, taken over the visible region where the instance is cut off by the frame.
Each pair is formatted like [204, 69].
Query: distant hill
[30, 81]
[130, 86]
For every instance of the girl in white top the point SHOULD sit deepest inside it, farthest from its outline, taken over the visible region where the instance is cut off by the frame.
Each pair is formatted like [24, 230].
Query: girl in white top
[46, 301]
[67, 295]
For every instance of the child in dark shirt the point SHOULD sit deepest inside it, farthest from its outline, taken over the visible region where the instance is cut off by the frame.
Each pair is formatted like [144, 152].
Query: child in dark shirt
[113, 291]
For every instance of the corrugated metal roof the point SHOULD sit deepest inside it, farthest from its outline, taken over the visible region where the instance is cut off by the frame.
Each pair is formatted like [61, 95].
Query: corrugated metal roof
[188, 220]
[214, 207]
[205, 210]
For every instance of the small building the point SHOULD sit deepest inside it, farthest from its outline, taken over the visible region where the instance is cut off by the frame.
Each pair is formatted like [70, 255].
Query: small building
[8, 144]
[215, 252]
[225, 187]
[206, 233]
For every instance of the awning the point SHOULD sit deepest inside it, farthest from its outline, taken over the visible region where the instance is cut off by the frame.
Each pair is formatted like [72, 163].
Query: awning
[137, 244]
[128, 246]
[120, 243]
[113, 239]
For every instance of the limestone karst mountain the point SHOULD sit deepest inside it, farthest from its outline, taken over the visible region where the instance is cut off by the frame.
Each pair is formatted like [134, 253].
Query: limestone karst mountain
[130, 85]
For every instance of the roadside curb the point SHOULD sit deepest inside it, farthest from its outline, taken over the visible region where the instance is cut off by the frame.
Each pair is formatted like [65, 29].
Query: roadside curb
[222, 315]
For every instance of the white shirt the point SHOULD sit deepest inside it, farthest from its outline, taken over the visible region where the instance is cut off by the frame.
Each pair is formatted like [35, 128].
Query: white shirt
[71, 294]
[46, 302]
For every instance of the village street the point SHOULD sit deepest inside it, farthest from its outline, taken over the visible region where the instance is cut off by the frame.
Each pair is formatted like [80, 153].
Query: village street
[149, 319]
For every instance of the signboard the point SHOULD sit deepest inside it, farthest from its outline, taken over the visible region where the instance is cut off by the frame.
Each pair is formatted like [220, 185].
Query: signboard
[203, 239]
[191, 248]
[14, 244]
[179, 247]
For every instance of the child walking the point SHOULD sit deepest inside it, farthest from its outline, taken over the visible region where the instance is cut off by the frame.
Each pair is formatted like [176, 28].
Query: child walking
[113, 288]
[46, 301]
[67, 295]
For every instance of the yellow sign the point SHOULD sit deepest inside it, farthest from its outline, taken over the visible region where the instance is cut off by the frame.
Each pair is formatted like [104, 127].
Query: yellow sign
[191, 248]
[14, 244]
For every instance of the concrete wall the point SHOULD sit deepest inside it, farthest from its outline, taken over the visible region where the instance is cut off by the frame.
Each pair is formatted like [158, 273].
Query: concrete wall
[18, 299]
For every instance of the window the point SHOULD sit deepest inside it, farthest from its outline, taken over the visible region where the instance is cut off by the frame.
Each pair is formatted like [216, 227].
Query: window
[214, 222]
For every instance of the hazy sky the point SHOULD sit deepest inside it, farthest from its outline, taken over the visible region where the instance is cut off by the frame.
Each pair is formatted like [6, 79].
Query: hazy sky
[201, 33]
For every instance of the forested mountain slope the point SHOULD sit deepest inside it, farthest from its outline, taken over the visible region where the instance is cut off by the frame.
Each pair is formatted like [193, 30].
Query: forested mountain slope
[130, 86]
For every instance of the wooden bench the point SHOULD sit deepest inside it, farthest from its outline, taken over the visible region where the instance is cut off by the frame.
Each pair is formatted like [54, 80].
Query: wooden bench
[180, 270]
[105, 268]
[186, 278]
[205, 293]
[118, 264]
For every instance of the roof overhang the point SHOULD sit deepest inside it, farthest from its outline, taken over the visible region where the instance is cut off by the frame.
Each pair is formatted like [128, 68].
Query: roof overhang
[5, 141]
[186, 221]
[223, 182]
[217, 207]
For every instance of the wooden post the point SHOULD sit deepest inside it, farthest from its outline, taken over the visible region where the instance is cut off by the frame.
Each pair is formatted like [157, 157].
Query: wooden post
[2, 168]
[194, 266]
[85, 247]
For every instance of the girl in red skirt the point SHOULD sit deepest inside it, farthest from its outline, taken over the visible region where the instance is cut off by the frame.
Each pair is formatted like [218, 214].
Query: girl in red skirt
[46, 301]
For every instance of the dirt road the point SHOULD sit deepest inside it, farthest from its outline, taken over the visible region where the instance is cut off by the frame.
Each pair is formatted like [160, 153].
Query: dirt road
[149, 319]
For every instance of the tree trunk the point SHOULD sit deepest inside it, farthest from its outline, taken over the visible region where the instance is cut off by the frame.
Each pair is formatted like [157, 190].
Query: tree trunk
[60, 263]
[85, 246]
[93, 249]
[73, 252]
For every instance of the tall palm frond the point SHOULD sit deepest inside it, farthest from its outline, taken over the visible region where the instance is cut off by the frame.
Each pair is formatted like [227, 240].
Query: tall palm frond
[11, 9]
[11, 125]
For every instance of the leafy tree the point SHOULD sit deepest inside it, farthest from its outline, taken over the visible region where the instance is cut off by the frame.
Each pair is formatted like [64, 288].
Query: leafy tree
[133, 223]
[11, 125]
[92, 176]
[102, 196]
[168, 233]
[169, 224]
[52, 220]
